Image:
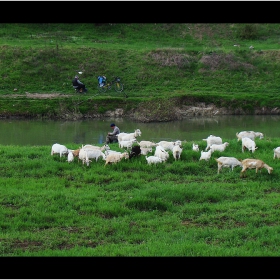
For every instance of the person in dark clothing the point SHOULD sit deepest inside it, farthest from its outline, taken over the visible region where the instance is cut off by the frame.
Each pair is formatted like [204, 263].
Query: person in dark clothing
[112, 137]
[78, 85]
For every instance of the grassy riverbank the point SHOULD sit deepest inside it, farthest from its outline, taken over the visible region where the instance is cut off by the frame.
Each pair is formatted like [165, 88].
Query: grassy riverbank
[229, 64]
[184, 208]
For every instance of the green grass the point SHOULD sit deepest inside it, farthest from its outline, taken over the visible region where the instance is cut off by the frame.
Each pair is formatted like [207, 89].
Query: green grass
[184, 208]
[188, 62]
[179, 208]
[186, 59]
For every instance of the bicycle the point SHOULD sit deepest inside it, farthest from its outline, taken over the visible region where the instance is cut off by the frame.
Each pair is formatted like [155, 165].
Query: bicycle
[116, 83]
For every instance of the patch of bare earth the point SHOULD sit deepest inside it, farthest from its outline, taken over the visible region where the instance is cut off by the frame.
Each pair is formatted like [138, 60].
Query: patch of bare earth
[37, 95]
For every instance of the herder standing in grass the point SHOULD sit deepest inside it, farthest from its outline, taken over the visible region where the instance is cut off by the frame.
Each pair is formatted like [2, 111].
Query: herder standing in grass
[112, 137]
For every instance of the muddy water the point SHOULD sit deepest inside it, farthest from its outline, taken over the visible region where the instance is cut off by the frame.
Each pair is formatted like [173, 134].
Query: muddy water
[41, 132]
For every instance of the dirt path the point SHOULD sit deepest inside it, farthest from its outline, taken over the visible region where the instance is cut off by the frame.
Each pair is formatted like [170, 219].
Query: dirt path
[36, 95]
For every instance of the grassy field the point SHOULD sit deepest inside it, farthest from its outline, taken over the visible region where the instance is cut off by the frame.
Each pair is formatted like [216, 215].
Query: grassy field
[180, 208]
[50, 207]
[214, 62]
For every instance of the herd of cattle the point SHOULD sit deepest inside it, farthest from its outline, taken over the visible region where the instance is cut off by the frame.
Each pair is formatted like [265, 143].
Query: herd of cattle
[132, 148]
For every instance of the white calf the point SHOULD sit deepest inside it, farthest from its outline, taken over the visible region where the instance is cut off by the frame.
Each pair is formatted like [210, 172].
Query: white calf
[212, 140]
[229, 162]
[249, 144]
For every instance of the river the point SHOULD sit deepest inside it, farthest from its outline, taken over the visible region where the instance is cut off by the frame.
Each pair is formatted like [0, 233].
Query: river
[47, 132]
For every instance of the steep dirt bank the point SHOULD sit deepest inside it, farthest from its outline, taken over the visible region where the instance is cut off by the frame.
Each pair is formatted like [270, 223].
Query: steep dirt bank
[177, 113]
[185, 107]
[156, 110]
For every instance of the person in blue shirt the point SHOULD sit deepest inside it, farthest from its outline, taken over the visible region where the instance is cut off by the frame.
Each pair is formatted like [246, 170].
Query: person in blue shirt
[101, 80]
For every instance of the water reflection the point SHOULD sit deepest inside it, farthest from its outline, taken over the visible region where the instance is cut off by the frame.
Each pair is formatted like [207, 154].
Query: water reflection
[47, 132]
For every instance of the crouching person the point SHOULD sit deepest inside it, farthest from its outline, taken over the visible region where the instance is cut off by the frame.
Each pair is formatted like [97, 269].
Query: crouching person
[112, 137]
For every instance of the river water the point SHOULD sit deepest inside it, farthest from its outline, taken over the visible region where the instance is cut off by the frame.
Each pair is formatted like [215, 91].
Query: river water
[47, 132]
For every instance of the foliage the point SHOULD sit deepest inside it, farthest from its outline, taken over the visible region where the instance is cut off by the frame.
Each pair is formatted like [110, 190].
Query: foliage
[248, 31]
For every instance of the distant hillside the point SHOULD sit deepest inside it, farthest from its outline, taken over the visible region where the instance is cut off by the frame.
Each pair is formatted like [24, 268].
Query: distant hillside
[215, 62]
